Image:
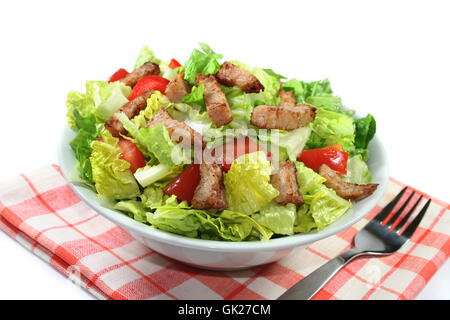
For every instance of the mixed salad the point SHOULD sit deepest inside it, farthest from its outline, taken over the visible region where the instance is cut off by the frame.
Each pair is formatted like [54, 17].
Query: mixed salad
[216, 149]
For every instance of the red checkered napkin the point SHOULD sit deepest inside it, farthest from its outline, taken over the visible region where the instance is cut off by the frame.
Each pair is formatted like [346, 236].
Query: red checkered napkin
[41, 212]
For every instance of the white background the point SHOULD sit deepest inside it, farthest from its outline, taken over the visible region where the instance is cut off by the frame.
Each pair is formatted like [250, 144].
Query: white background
[389, 58]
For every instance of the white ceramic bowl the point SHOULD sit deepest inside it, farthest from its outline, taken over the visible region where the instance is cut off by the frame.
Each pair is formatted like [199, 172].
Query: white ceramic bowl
[221, 255]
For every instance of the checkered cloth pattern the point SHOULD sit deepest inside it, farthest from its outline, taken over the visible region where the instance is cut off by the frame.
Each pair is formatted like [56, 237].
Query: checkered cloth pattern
[42, 213]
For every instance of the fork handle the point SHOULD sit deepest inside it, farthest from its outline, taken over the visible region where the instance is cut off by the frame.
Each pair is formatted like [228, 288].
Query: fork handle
[308, 286]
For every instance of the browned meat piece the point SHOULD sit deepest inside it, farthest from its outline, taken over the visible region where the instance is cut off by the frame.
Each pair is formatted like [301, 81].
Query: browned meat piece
[177, 89]
[131, 109]
[216, 103]
[147, 69]
[179, 131]
[284, 179]
[210, 192]
[287, 98]
[284, 118]
[346, 190]
[232, 75]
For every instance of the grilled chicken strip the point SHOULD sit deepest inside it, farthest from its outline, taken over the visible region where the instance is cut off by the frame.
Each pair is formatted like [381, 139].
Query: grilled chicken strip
[210, 192]
[147, 69]
[284, 179]
[179, 131]
[232, 75]
[131, 109]
[281, 117]
[287, 98]
[346, 190]
[177, 89]
[216, 103]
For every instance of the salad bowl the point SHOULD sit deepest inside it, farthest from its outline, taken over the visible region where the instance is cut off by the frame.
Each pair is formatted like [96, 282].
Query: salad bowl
[224, 255]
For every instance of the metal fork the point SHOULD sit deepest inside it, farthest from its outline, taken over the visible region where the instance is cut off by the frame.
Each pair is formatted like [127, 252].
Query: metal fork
[376, 238]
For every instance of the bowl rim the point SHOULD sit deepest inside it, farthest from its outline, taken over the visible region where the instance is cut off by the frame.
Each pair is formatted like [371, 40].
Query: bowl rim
[285, 242]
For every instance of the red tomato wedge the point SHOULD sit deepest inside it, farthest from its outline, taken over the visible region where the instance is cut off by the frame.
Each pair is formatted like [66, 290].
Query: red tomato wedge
[226, 154]
[132, 154]
[184, 185]
[174, 64]
[149, 83]
[332, 156]
[119, 74]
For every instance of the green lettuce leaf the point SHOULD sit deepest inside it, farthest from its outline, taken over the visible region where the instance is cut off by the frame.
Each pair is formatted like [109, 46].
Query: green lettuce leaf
[365, 129]
[196, 95]
[167, 72]
[302, 90]
[309, 181]
[112, 175]
[294, 141]
[81, 144]
[80, 102]
[304, 221]
[277, 218]
[330, 128]
[322, 206]
[316, 93]
[326, 207]
[285, 145]
[102, 99]
[155, 143]
[331, 103]
[108, 97]
[153, 197]
[156, 102]
[274, 74]
[151, 174]
[357, 171]
[133, 208]
[201, 62]
[146, 55]
[271, 86]
[82, 149]
[247, 183]
[240, 103]
[228, 225]
[270, 81]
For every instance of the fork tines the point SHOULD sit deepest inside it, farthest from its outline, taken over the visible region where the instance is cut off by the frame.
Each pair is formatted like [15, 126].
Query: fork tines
[384, 213]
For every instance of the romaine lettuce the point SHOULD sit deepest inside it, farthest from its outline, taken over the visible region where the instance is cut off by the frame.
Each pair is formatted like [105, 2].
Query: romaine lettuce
[304, 221]
[102, 99]
[201, 62]
[196, 95]
[133, 208]
[326, 207]
[294, 141]
[309, 181]
[268, 79]
[81, 144]
[150, 174]
[365, 129]
[156, 140]
[248, 185]
[156, 102]
[322, 206]
[146, 55]
[228, 225]
[80, 102]
[330, 128]
[108, 98]
[277, 218]
[155, 143]
[112, 175]
[357, 171]
[302, 90]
